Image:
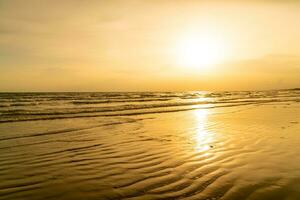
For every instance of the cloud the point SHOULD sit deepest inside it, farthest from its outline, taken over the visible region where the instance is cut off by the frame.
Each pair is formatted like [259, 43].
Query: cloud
[272, 64]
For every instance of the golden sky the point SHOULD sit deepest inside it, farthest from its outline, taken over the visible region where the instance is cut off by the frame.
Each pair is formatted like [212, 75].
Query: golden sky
[149, 45]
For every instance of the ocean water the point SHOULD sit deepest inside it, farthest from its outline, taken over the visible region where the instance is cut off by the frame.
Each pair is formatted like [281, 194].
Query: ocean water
[46, 106]
[150, 145]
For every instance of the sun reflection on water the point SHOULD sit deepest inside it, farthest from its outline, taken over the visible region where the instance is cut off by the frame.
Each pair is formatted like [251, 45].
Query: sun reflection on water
[203, 138]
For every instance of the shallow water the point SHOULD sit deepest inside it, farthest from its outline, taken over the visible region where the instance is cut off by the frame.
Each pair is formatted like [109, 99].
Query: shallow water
[198, 145]
[36, 106]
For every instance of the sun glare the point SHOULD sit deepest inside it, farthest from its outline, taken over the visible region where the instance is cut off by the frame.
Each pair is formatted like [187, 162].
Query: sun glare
[199, 50]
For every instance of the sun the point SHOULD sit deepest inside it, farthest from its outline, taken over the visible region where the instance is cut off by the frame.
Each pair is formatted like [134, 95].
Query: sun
[199, 50]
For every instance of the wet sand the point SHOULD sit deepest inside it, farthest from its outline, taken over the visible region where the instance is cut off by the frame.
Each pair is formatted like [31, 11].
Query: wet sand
[246, 152]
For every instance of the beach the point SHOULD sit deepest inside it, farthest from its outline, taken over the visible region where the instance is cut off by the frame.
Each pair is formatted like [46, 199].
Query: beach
[193, 145]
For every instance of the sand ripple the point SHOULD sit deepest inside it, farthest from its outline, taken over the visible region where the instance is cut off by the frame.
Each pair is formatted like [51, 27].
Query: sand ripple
[225, 154]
